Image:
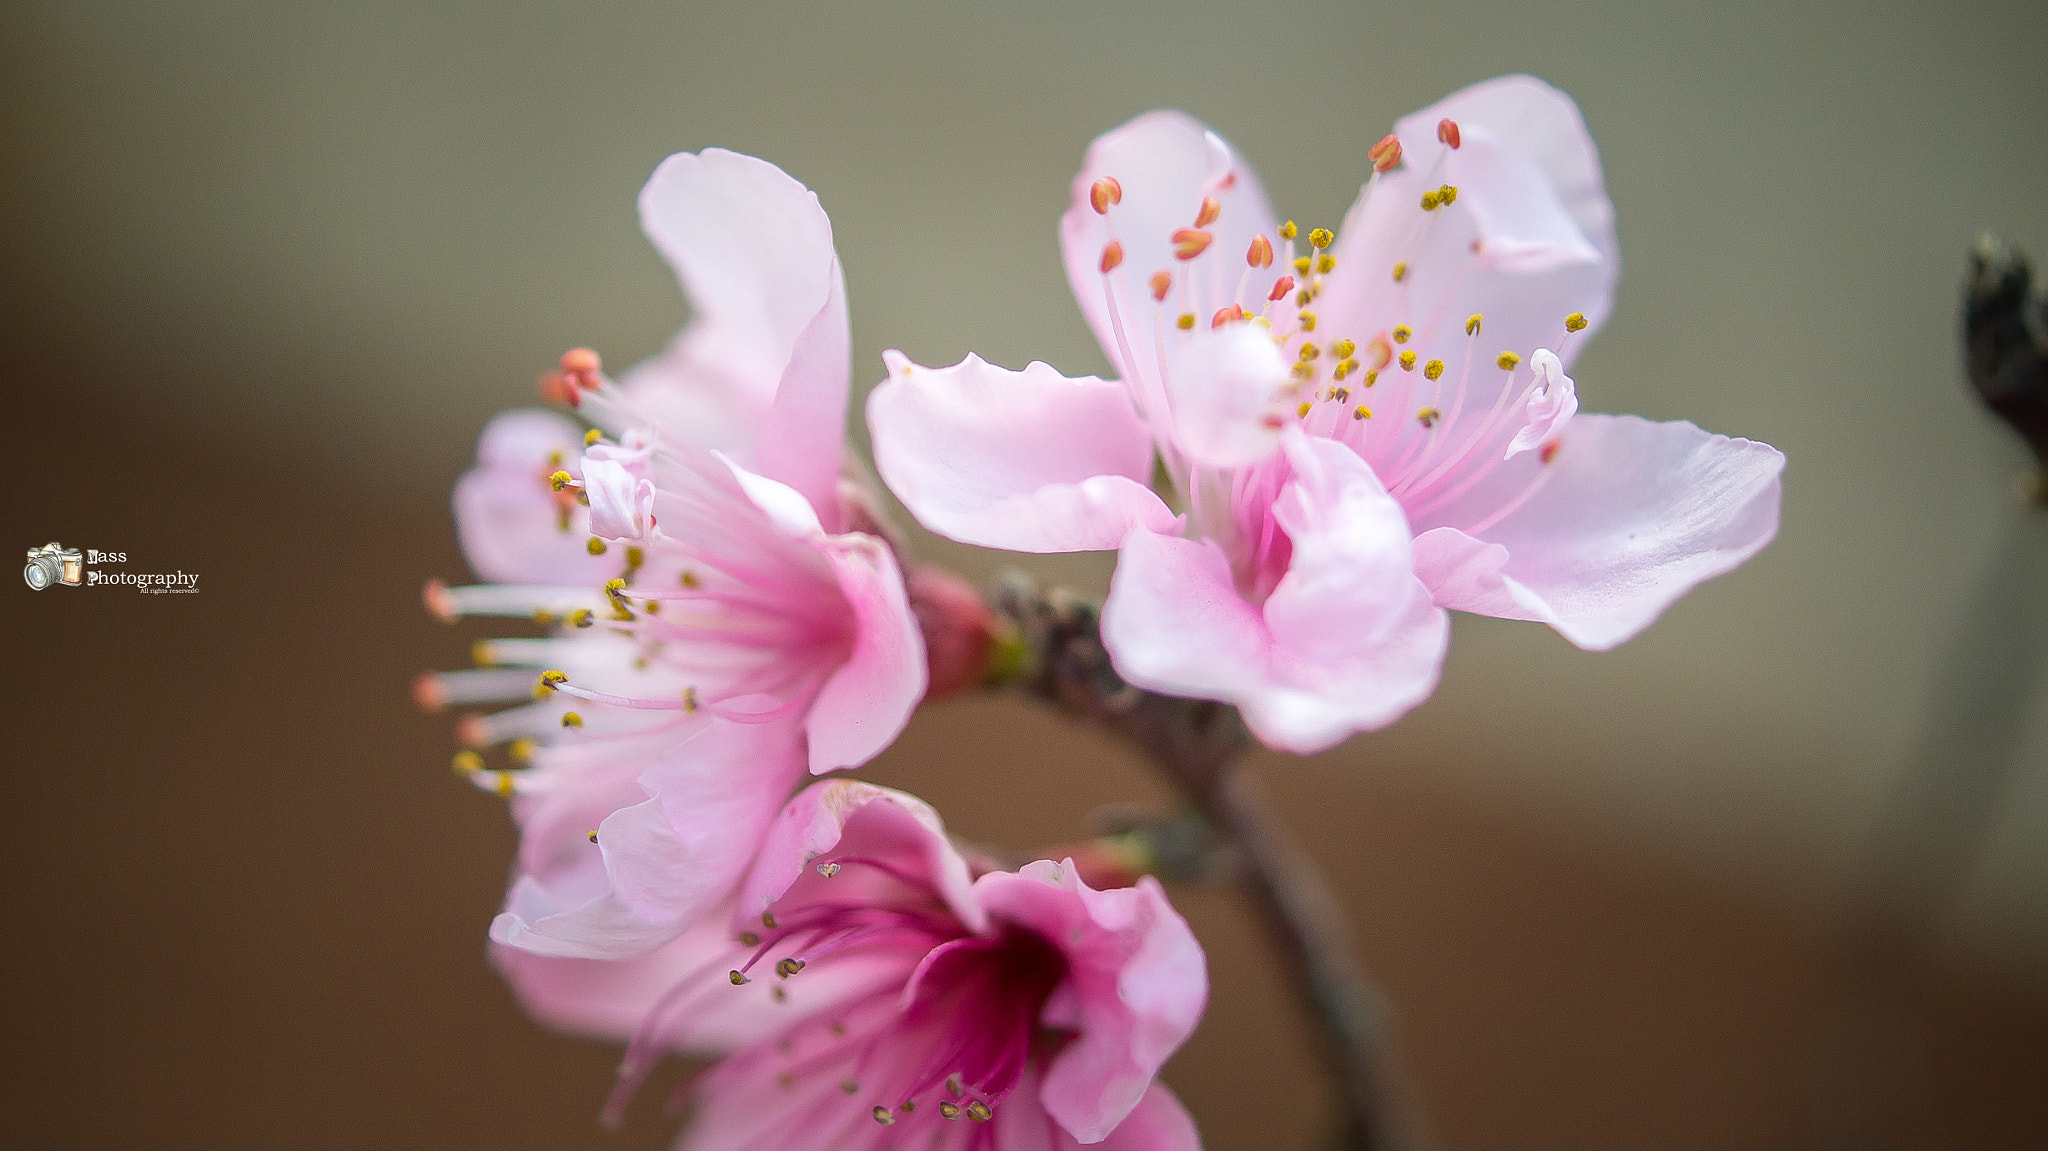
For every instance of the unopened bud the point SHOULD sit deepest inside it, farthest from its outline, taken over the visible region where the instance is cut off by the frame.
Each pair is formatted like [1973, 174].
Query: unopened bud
[961, 642]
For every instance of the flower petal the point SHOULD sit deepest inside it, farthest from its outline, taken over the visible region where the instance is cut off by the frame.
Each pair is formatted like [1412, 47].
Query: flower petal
[621, 499]
[805, 435]
[507, 518]
[1136, 984]
[881, 825]
[1166, 163]
[661, 864]
[1632, 516]
[864, 704]
[1222, 390]
[1026, 461]
[753, 251]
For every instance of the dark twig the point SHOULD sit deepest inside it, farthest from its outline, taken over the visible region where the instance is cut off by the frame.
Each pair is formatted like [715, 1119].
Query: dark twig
[1200, 746]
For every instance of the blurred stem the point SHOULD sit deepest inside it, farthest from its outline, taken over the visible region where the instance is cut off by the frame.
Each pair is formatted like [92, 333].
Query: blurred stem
[1200, 746]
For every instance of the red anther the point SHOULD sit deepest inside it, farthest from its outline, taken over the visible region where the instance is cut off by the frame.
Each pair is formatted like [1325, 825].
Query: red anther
[1161, 281]
[1190, 242]
[1378, 352]
[426, 692]
[469, 731]
[1281, 287]
[442, 605]
[1227, 314]
[1548, 451]
[1447, 133]
[1260, 254]
[1103, 193]
[580, 362]
[1209, 211]
[1228, 182]
[556, 389]
[1112, 255]
[1385, 154]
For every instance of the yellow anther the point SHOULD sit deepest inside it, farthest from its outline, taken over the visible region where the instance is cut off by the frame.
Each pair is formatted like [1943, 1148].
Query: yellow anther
[554, 459]
[978, 1111]
[480, 652]
[1186, 323]
[1346, 367]
[1361, 412]
[1287, 230]
[595, 546]
[690, 700]
[948, 1110]
[1576, 322]
[1308, 321]
[1428, 417]
[651, 606]
[1302, 298]
[1341, 395]
[1400, 271]
[788, 966]
[582, 617]
[1302, 264]
[689, 580]
[1343, 349]
[1303, 371]
[560, 480]
[571, 719]
[1431, 201]
[521, 749]
[467, 763]
[591, 835]
[738, 977]
[615, 587]
[883, 1115]
[1433, 369]
[1319, 238]
[635, 556]
[1448, 194]
[1326, 263]
[750, 939]
[780, 996]
[850, 1086]
[1309, 352]
[1371, 378]
[550, 678]
[1304, 409]
[592, 436]
[1472, 324]
[1402, 333]
[1408, 360]
[828, 870]
[543, 616]
[1506, 361]
[768, 920]
[504, 785]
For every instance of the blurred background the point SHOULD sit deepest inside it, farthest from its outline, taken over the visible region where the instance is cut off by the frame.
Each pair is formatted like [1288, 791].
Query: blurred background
[1766, 877]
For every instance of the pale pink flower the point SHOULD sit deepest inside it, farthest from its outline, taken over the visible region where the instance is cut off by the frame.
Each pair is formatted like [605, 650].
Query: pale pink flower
[717, 621]
[871, 994]
[1361, 433]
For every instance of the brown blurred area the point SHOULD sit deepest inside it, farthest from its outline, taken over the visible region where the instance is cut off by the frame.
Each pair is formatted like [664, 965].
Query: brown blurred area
[268, 271]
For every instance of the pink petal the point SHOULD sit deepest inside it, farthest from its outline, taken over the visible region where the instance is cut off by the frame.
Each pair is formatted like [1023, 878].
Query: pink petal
[1632, 516]
[1026, 461]
[1135, 987]
[621, 500]
[1157, 1123]
[805, 435]
[661, 864]
[865, 704]
[1529, 239]
[1348, 641]
[1222, 390]
[753, 251]
[849, 817]
[1166, 162]
[506, 515]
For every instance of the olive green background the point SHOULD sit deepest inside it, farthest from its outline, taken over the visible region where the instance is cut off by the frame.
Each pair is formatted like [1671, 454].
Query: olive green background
[269, 268]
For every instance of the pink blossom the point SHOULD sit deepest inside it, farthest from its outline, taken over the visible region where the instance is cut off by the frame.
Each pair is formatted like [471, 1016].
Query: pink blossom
[716, 621]
[869, 993]
[1360, 431]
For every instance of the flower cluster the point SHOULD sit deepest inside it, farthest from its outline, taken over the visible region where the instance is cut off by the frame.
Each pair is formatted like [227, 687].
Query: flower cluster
[1357, 431]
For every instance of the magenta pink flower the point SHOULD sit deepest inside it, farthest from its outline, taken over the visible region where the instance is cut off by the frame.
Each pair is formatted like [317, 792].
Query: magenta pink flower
[1361, 431]
[871, 994]
[717, 621]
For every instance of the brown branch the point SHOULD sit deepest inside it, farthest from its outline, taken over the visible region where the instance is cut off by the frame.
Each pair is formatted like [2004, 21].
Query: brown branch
[1200, 746]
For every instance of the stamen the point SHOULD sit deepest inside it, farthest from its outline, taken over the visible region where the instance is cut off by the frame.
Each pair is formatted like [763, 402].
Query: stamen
[1361, 412]
[1447, 134]
[1227, 314]
[1103, 193]
[948, 1110]
[1472, 324]
[1400, 271]
[1161, 283]
[1506, 361]
[1287, 230]
[1408, 360]
[978, 1111]
[883, 1116]
[1190, 242]
[1320, 238]
[788, 966]
[571, 719]
[738, 977]
[592, 436]
[1260, 254]
[1433, 369]
[1112, 255]
[1385, 154]
[1209, 211]
[1281, 287]
[1576, 322]
[1403, 333]
[595, 546]
[467, 763]
[560, 480]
